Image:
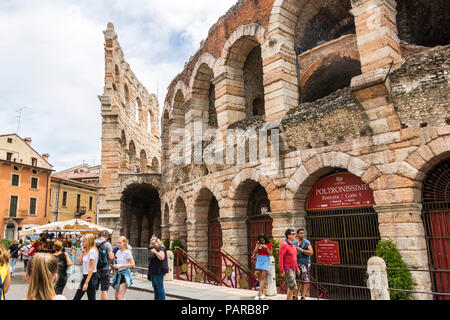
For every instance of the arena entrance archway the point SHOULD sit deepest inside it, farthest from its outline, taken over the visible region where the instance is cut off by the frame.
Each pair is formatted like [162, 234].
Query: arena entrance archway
[340, 208]
[436, 217]
[141, 214]
[258, 218]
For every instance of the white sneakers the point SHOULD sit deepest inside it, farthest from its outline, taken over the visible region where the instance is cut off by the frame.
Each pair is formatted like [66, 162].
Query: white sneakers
[257, 298]
[262, 297]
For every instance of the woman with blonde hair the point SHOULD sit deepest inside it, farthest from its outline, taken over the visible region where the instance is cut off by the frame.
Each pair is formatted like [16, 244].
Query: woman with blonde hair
[5, 272]
[41, 274]
[89, 260]
[122, 279]
[64, 263]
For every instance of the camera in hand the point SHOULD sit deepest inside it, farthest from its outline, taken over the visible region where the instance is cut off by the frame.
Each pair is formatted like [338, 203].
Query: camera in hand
[151, 248]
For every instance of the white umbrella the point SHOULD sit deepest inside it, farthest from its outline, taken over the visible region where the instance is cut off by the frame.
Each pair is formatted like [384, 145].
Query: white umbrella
[76, 225]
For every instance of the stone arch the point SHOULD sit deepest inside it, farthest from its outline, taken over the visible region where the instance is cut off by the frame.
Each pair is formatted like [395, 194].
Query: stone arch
[253, 31]
[117, 79]
[127, 95]
[11, 226]
[205, 59]
[320, 165]
[244, 45]
[123, 139]
[329, 74]
[143, 164]
[140, 211]
[178, 123]
[139, 110]
[178, 223]
[424, 159]
[206, 213]
[203, 94]
[181, 86]
[155, 165]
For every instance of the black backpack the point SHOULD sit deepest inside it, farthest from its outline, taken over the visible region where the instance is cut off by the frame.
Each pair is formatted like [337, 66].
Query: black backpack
[102, 256]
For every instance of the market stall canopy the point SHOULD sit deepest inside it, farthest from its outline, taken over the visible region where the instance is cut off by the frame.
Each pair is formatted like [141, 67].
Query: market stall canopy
[76, 225]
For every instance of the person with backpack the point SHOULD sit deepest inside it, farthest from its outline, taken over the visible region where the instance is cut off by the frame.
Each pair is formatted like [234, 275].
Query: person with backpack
[106, 256]
[64, 263]
[14, 255]
[122, 278]
[5, 272]
[88, 259]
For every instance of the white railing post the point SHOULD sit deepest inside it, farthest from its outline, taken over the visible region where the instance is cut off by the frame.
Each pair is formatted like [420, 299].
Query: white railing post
[170, 258]
[270, 287]
[378, 280]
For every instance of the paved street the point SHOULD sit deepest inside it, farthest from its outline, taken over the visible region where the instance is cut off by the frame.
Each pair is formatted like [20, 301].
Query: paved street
[19, 287]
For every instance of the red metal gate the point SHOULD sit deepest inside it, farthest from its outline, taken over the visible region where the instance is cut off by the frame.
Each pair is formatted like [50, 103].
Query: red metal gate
[214, 245]
[436, 217]
[214, 237]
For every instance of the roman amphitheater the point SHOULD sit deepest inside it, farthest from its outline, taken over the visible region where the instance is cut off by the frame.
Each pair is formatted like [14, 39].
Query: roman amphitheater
[350, 98]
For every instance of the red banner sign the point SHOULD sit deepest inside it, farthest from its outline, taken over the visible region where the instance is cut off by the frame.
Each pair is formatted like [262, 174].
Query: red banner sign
[327, 252]
[89, 219]
[339, 191]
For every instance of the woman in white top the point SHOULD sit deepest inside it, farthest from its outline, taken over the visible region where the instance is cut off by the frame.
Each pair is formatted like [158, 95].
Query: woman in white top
[122, 278]
[89, 260]
[41, 274]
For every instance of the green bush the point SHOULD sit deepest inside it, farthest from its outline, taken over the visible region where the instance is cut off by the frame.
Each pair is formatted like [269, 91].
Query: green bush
[6, 243]
[167, 244]
[276, 250]
[176, 243]
[402, 280]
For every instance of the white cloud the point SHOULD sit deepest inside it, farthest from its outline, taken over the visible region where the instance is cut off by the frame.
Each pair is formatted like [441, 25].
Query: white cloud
[52, 62]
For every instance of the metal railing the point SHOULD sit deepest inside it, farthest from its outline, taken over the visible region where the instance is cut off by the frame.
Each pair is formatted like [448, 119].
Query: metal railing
[234, 275]
[189, 269]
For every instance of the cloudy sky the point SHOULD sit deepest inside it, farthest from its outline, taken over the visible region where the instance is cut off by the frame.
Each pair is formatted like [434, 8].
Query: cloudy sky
[52, 63]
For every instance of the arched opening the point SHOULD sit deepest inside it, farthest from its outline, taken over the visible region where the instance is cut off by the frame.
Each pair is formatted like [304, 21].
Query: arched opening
[252, 203]
[244, 63]
[10, 231]
[178, 227]
[335, 73]
[321, 21]
[203, 91]
[141, 213]
[127, 95]
[178, 125]
[165, 139]
[155, 165]
[143, 161]
[123, 139]
[149, 122]
[138, 110]
[165, 234]
[424, 23]
[436, 216]
[253, 84]
[207, 209]
[132, 155]
[340, 214]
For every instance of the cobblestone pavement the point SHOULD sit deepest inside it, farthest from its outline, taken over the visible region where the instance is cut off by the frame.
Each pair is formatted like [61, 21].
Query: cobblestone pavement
[19, 287]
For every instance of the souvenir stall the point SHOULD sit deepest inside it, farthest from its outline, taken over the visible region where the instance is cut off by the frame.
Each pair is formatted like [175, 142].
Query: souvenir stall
[68, 232]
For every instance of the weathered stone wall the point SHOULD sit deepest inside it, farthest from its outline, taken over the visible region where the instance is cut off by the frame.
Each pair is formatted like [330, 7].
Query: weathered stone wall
[420, 89]
[331, 120]
[127, 139]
